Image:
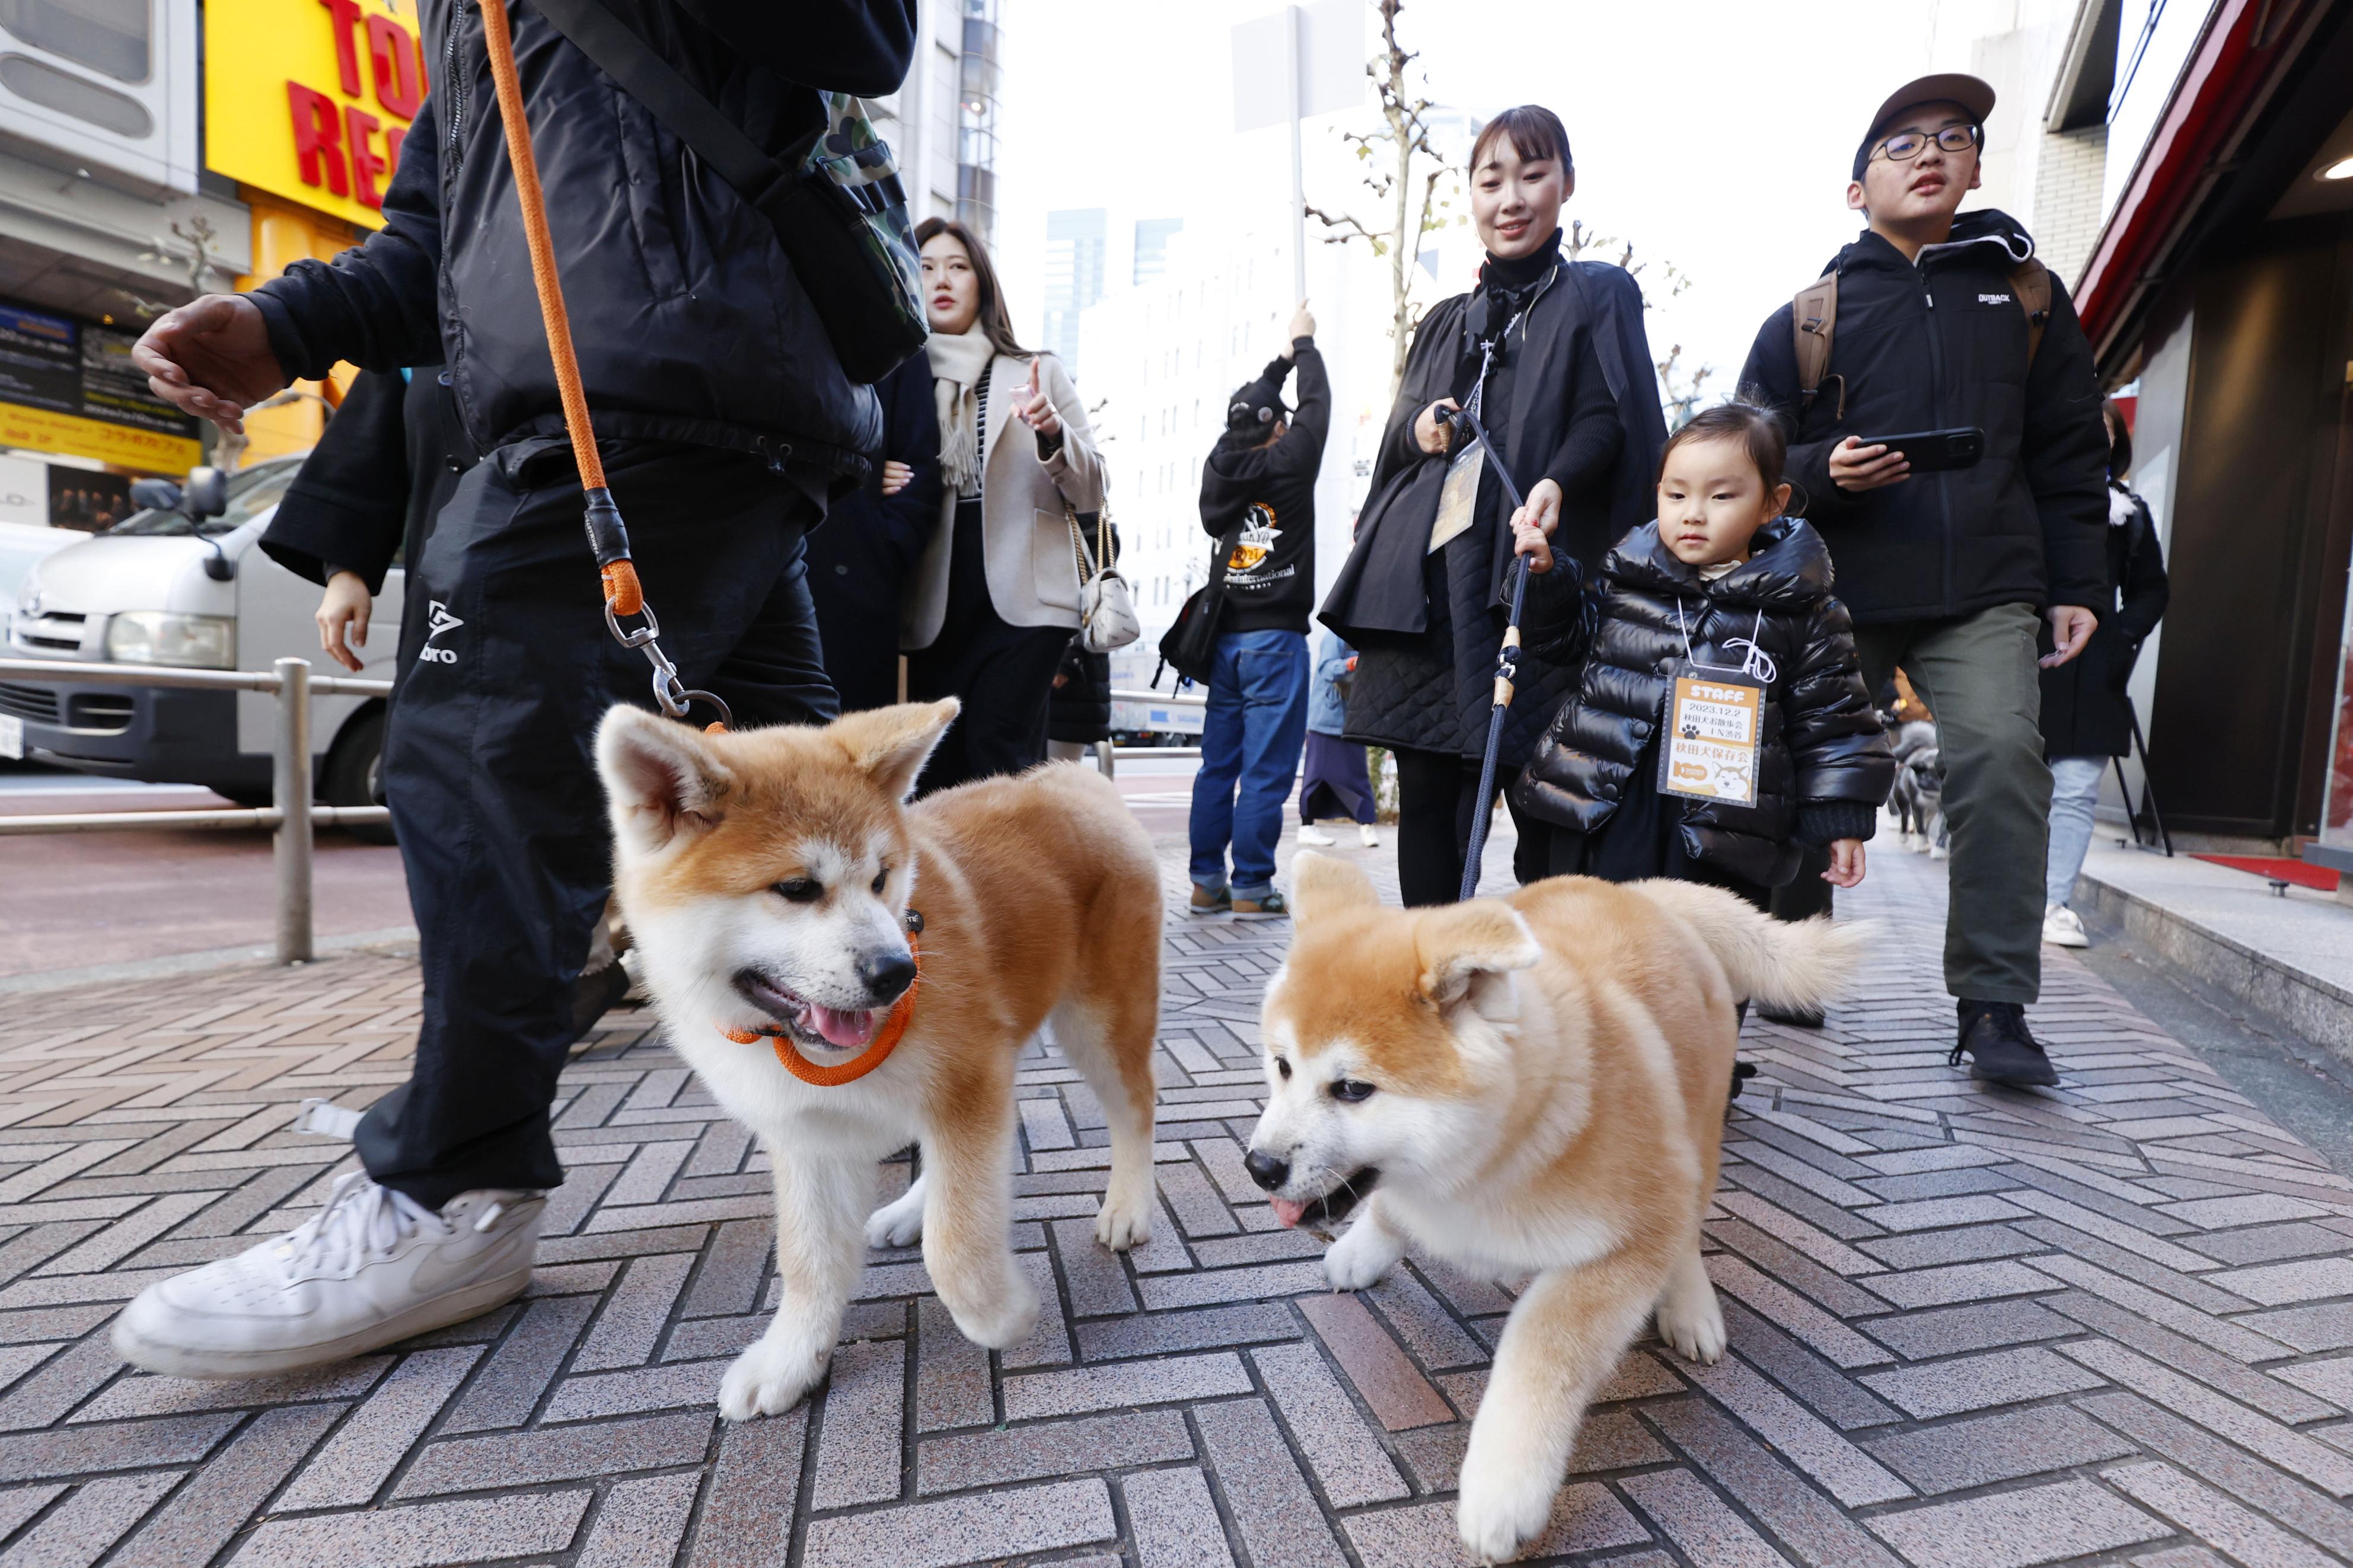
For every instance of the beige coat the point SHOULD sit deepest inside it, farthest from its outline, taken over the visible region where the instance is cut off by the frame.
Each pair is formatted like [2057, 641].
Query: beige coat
[1033, 578]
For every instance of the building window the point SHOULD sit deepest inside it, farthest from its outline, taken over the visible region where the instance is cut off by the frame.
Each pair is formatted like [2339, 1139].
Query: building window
[108, 35]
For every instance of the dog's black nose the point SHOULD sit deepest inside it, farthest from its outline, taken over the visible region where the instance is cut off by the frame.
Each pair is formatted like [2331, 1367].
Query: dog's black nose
[1266, 1170]
[887, 975]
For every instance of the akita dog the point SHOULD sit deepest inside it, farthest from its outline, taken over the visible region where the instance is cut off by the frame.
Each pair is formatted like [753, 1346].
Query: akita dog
[772, 880]
[1526, 1085]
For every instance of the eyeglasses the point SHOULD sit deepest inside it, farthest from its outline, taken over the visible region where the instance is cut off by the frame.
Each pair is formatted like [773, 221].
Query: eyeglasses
[1906, 145]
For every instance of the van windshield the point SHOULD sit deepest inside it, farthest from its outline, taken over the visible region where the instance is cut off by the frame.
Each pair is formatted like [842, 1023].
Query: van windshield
[250, 492]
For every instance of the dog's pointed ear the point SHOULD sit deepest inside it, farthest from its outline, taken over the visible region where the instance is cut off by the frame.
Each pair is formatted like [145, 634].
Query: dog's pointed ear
[1468, 952]
[662, 778]
[1322, 885]
[891, 745]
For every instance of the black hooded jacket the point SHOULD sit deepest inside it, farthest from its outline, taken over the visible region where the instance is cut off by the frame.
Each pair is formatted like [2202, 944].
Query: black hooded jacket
[1824, 768]
[690, 323]
[1268, 492]
[1579, 407]
[1941, 345]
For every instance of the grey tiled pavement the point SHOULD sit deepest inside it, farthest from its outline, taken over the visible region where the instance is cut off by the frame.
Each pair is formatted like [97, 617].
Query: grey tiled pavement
[2108, 1324]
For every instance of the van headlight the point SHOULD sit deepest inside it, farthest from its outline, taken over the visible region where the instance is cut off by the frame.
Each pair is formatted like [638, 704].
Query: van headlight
[162, 637]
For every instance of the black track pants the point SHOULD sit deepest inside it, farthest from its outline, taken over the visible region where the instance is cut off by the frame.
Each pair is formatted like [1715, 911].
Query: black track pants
[490, 773]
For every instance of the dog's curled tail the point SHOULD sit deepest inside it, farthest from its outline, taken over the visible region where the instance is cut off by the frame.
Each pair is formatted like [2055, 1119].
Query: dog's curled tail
[1801, 967]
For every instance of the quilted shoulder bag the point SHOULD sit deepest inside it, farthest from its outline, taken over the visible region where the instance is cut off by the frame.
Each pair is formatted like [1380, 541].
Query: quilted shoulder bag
[1106, 606]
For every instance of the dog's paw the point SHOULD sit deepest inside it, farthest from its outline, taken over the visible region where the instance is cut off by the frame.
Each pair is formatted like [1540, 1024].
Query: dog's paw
[1364, 1253]
[1695, 1333]
[898, 1224]
[1501, 1510]
[770, 1378]
[1125, 1220]
[1009, 1317]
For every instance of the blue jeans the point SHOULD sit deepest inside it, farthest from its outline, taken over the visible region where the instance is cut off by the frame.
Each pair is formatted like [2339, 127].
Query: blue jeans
[1252, 732]
[2075, 794]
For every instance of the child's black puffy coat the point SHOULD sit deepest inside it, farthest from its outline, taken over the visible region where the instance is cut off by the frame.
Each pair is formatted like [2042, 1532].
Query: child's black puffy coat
[1824, 768]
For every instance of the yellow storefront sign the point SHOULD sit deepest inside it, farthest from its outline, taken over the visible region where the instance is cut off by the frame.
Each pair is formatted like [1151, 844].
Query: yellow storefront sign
[44, 430]
[310, 98]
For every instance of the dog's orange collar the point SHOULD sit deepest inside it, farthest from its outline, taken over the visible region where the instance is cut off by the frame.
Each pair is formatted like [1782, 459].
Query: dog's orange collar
[886, 1039]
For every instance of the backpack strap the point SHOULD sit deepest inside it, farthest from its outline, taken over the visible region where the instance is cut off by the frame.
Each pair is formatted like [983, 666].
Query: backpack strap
[2029, 282]
[1813, 318]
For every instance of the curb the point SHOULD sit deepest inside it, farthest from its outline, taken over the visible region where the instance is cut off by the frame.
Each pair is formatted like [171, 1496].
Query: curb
[2311, 1006]
[192, 963]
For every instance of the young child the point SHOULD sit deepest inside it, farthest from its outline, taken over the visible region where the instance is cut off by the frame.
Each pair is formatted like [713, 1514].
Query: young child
[1723, 588]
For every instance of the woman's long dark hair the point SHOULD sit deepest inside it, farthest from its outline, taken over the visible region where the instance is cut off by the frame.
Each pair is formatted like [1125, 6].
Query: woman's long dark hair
[992, 319]
[2119, 441]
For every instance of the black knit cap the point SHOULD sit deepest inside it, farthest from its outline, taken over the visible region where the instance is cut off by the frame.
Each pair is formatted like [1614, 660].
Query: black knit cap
[1972, 93]
[1255, 407]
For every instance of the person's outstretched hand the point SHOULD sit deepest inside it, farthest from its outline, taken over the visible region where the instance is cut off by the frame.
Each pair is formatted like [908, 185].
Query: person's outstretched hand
[1302, 325]
[342, 617]
[1846, 863]
[1036, 409]
[896, 476]
[211, 358]
[2071, 627]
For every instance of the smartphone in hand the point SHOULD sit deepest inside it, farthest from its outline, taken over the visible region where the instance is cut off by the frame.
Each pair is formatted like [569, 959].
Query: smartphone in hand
[1934, 451]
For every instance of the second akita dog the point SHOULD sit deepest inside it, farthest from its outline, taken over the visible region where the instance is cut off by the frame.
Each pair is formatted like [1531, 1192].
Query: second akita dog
[771, 881]
[1535, 1085]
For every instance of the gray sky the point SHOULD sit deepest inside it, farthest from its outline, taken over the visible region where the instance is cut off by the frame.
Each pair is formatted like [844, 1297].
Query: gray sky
[1714, 135]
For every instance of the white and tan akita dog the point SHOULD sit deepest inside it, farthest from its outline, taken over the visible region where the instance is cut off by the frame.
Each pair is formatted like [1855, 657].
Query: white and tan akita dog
[1531, 1085]
[771, 880]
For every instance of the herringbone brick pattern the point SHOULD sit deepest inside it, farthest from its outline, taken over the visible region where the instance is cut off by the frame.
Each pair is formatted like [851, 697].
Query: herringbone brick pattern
[1970, 1329]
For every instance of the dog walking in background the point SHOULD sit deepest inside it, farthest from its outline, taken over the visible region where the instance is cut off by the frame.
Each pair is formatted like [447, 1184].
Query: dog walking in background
[772, 880]
[1918, 797]
[1532, 1084]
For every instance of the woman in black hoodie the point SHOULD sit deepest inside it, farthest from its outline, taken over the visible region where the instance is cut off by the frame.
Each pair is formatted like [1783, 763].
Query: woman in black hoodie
[1552, 356]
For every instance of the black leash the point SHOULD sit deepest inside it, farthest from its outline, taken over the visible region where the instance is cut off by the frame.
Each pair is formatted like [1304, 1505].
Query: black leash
[1507, 667]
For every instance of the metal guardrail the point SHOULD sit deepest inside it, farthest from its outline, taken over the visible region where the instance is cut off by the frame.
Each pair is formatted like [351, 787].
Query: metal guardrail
[293, 818]
[1108, 756]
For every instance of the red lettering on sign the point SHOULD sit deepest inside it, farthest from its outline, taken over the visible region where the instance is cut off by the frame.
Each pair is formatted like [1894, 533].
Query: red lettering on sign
[346, 15]
[317, 139]
[359, 125]
[399, 74]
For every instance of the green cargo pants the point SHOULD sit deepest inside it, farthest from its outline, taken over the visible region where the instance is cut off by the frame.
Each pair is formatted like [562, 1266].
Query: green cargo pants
[1979, 677]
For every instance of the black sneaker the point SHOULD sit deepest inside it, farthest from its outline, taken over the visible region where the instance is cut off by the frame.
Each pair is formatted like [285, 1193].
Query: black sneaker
[2000, 1050]
[1792, 1019]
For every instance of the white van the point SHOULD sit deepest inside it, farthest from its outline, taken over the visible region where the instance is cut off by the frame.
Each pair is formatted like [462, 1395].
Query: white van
[174, 585]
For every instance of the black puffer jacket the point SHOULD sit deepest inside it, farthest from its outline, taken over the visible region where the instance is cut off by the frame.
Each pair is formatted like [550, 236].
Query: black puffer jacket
[690, 323]
[1937, 346]
[1825, 767]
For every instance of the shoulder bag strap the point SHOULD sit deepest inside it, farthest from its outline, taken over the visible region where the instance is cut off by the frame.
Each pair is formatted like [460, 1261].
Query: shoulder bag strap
[2030, 284]
[1813, 319]
[617, 51]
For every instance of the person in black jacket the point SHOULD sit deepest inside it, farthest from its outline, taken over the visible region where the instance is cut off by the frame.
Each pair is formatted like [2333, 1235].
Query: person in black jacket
[1257, 502]
[1952, 576]
[1078, 716]
[1553, 357]
[860, 560]
[725, 422]
[1724, 589]
[2087, 715]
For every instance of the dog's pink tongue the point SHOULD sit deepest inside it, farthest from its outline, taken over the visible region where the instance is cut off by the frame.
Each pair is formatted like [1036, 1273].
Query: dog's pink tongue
[1287, 1211]
[840, 1028]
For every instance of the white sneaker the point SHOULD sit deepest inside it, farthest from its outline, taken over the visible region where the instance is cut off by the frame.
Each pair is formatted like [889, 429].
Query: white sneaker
[1311, 834]
[2061, 927]
[371, 1267]
[1366, 836]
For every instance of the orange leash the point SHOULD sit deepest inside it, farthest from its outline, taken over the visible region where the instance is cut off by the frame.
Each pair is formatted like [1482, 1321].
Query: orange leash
[886, 1039]
[624, 595]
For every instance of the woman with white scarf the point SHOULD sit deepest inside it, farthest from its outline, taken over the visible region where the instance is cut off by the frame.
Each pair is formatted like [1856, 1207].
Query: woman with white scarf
[995, 597]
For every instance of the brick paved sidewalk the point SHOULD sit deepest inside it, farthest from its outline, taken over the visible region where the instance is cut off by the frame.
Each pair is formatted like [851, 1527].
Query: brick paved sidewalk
[1969, 1328]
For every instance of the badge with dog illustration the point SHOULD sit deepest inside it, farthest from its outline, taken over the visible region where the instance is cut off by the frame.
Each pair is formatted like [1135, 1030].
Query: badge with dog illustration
[1715, 724]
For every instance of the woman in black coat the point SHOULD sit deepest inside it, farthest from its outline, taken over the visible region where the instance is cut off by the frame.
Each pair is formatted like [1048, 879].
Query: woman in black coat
[860, 559]
[1552, 356]
[1079, 713]
[2086, 714]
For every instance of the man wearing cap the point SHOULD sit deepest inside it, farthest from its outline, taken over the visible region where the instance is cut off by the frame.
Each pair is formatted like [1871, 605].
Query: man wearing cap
[1967, 577]
[1258, 501]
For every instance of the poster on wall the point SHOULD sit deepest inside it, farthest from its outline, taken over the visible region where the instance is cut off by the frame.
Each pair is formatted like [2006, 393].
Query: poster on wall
[88, 499]
[24, 491]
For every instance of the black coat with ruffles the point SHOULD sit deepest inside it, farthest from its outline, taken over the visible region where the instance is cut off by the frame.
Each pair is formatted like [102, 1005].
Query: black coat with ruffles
[1426, 665]
[1824, 767]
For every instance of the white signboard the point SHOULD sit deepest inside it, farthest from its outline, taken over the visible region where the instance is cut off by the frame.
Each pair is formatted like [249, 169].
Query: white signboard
[24, 491]
[1332, 55]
